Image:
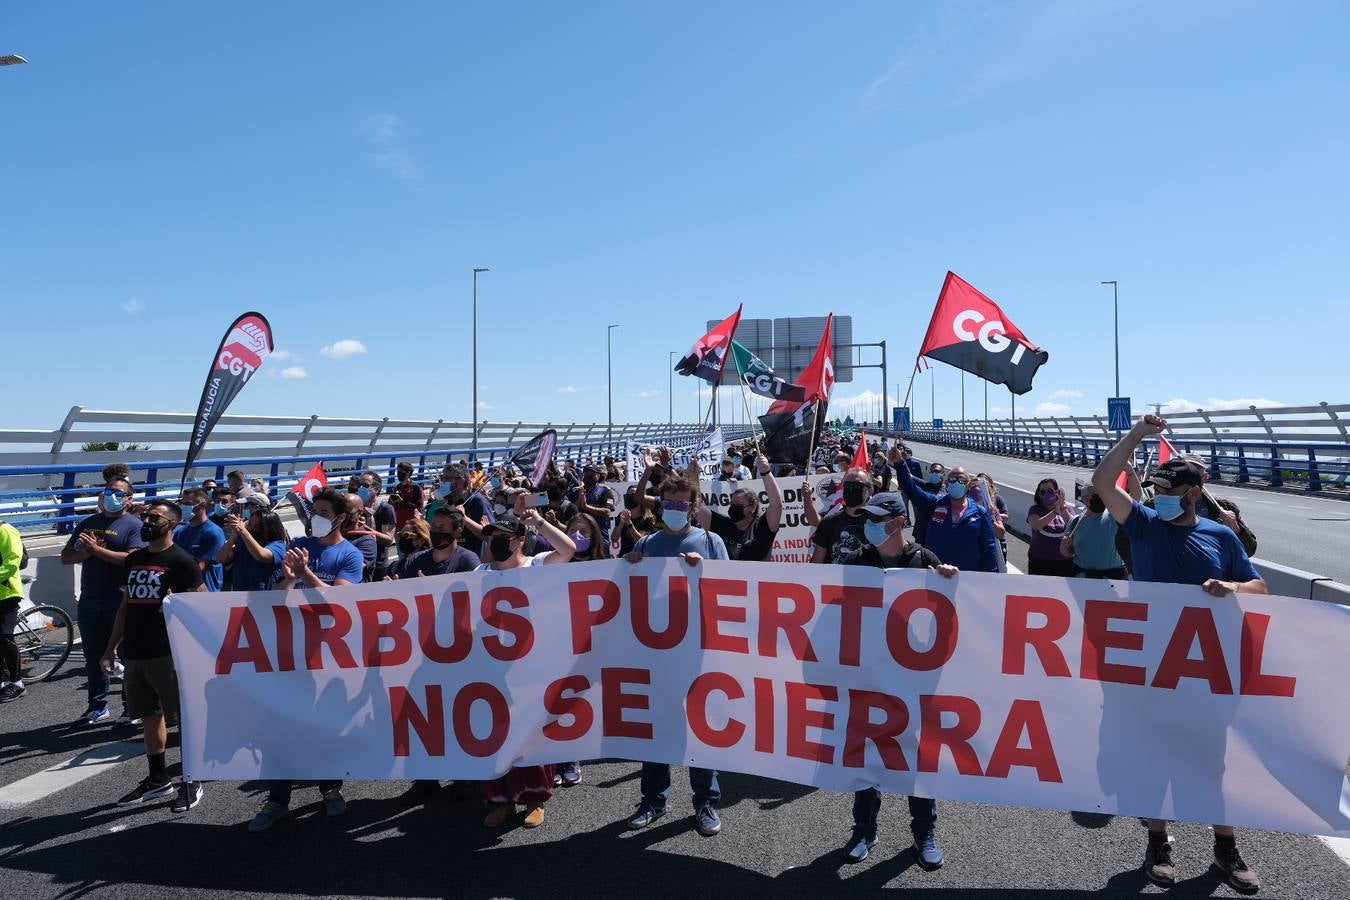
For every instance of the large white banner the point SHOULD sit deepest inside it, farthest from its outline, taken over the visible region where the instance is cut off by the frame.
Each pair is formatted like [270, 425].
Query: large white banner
[1128, 698]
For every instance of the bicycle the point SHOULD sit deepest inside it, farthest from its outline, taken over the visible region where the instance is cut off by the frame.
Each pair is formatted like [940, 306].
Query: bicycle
[45, 637]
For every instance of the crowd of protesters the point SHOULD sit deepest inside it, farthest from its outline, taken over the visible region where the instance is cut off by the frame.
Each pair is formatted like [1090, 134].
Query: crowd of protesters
[213, 537]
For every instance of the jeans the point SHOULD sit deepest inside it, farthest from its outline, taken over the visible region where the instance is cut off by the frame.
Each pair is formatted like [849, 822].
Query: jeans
[96, 625]
[656, 785]
[867, 804]
[280, 791]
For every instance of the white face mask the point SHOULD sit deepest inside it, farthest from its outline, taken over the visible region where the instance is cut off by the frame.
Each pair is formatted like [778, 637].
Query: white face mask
[320, 526]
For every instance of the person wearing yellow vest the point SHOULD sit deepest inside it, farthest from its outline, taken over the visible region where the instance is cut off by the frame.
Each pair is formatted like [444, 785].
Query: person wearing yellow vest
[11, 593]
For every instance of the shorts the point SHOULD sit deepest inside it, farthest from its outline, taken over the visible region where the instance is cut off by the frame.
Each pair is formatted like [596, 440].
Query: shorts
[150, 687]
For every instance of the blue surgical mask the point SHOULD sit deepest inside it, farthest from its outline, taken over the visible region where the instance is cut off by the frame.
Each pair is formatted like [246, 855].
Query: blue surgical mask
[112, 502]
[246, 513]
[675, 519]
[220, 509]
[495, 482]
[875, 532]
[956, 490]
[364, 493]
[1167, 506]
[443, 490]
[187, 511]
[934, 477]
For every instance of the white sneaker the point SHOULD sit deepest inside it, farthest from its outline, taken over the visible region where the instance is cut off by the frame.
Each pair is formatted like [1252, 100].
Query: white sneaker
[97, 716]
[118, 671]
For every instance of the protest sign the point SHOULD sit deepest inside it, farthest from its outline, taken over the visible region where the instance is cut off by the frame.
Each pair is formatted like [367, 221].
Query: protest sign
[1129, 698]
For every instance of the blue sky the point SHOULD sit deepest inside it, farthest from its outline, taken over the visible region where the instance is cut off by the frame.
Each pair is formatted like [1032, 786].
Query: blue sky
[342, 167]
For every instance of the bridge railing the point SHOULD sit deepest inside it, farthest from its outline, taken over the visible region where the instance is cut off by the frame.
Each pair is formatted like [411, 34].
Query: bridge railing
[1304, 447]
[55, 486]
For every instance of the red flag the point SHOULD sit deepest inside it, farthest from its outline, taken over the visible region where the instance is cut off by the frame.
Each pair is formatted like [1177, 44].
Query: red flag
[708, 357]
[818, 376]
[970, 332]
[860, 457]
[315, 480]
[1165, 450]
[247, 342]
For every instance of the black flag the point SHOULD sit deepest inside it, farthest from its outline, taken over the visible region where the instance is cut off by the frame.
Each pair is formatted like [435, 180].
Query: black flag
[788, 436]
[535, 457]
[247, 342]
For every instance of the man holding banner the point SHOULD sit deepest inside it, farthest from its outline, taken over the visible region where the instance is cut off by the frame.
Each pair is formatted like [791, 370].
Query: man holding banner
[1170, 543]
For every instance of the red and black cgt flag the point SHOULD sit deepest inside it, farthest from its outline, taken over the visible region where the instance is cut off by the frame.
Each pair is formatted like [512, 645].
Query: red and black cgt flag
[708, 357]
[790, 435]
[240, 355]
[535, 457]
[302, 495]
[970, 332]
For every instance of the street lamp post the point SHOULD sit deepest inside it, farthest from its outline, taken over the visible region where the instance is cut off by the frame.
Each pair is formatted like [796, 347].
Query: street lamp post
[1115, 304]
[473, 453]
[670, 389]
[609, 378]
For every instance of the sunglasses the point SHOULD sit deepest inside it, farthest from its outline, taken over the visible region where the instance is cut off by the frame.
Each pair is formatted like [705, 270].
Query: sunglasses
[680, 505]
[120, 495]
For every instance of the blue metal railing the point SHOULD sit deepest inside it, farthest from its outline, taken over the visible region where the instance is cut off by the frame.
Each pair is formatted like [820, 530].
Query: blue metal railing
[57, 507]
[1313, 467]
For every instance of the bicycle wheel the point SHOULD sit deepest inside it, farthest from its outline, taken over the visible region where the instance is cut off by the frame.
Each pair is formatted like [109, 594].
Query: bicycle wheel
[45, 637]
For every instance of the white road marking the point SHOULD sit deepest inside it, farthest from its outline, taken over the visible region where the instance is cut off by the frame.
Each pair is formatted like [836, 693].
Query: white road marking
[69, 773]
[1340, 846]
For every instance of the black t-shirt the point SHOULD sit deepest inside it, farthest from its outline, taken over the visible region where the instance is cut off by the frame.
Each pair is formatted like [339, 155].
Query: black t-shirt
[385, 521]
[911, 556]
[152, 576]
[842, 535]
[461, 560]
[752, 545]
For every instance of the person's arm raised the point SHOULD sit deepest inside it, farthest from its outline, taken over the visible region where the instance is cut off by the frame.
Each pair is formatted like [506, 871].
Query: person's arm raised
[1118, 502]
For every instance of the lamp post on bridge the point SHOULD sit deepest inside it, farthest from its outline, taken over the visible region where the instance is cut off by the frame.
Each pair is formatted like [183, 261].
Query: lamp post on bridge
[1115, 305]
[609, 378]
[473, 453]
[670, 385]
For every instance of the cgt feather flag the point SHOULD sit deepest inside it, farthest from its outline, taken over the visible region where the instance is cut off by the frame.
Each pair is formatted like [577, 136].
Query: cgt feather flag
[247, 342]
[970, 332]
[536, 456]
[760, 378]
[817, 379]
[708, 357]
[790, 435]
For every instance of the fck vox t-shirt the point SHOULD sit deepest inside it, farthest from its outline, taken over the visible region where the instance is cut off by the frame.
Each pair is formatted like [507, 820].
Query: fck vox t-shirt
[152, 576]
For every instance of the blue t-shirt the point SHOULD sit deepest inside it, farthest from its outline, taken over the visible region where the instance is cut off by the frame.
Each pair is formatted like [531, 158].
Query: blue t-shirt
[663, 543]
[1184, 554]
[1094, 542]
[203, 542]
[251, 575]
[101, 582]
[332, 561]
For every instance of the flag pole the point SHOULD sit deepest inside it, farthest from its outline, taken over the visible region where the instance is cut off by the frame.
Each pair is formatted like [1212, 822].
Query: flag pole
[912, 375]
[745, 400]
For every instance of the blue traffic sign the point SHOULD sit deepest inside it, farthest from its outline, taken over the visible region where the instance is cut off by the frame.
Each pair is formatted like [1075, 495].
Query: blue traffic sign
[900, 418]
[937, 423]
[1118, 411]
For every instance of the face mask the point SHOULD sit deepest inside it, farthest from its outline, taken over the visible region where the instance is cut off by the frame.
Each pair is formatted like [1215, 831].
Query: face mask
[188, 512]
[442, 539]
[495, 482]
[364, 493]
[855, 493]
[977, 493]
[151, 532]
[1097, 505]
[956, 490]
[246, 513]
[220, 509]
[838, 468]
[501, 548]
[875, 532]
[406, 545]
[113, 503]
[736, 513]
[499, 508]
[1168, 506]
[630, 501]
[1048, 498]
[321, 526]
[675, 519]
[443, 489]
[934, 477]
[583, 541]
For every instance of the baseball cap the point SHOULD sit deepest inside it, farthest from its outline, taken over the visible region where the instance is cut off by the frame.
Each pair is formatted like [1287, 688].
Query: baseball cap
[1176, 472]
[884, 506]
[506, 524]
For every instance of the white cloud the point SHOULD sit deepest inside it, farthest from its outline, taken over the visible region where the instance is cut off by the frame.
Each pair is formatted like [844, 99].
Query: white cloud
[647, 394]
[1066, 394]
[568, 389]
[343, 349]
[483, 404]
[998, 410]
[1181, 404]
[1052, 409]
[294, 372]
[870, 100]
[382, 131]
[133, 306]
[281, 354]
